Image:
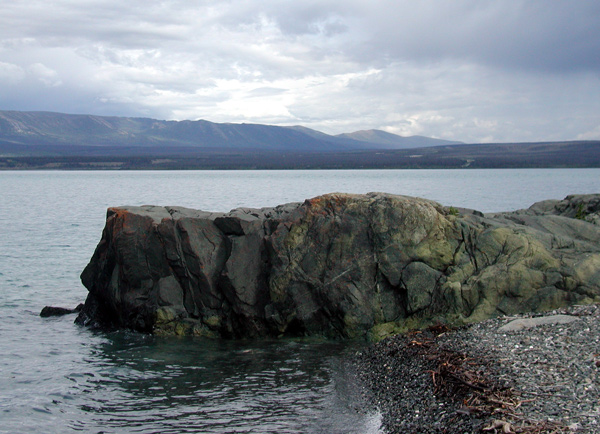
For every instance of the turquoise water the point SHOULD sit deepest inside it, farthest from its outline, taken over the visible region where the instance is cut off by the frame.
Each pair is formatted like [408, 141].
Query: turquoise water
[56, 377]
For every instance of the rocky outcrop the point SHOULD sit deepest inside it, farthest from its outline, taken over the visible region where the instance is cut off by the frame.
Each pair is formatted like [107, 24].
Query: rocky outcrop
[338, 265]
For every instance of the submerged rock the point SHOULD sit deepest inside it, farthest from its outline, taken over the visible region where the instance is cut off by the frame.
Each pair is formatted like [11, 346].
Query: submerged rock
[49, 311]
[338, 265]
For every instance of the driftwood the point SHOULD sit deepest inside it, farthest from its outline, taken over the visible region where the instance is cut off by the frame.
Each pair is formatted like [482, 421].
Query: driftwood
[471, 382]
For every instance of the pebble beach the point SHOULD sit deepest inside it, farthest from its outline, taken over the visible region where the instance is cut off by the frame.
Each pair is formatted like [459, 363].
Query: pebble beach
[532, 373]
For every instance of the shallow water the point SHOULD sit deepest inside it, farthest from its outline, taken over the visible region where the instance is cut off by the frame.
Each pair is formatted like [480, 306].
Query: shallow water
[56, 377]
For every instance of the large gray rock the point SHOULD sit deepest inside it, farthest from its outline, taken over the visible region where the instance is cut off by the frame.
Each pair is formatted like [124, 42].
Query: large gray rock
[338, 265]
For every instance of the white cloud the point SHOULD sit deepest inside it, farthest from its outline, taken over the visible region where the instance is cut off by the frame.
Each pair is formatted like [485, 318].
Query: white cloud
[44, 74]
[591, 134]
[10, 73]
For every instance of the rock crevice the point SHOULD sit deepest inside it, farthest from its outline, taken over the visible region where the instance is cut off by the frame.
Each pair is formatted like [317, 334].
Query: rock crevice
[338, 265]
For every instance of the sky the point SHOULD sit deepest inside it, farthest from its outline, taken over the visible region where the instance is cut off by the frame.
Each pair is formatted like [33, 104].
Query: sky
[468, 70]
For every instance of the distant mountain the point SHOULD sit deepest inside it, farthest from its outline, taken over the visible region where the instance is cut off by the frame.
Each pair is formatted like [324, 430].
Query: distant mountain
[346, 142]
[48, 133]
[43, 129]
[385, 140]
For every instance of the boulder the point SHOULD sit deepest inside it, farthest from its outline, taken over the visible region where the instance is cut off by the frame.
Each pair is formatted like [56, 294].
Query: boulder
[527, 323]
[338, 265]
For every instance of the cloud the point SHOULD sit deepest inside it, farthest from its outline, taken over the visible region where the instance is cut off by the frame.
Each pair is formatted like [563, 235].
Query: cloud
[10, 73]
[44, 74]
[471, 70]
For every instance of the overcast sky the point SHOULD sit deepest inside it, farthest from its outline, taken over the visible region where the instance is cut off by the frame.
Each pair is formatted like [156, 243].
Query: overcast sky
[469, 70]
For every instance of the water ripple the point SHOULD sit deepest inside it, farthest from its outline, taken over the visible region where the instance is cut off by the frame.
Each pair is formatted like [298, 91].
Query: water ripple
[57, 377]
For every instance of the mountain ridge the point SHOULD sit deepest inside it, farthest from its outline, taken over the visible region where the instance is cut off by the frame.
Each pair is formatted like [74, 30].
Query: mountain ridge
[48, 140]
[394, 141]
[50, 129]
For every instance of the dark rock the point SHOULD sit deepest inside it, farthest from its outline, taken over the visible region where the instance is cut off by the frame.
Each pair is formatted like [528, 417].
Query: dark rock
[337, 265]
[49, 311]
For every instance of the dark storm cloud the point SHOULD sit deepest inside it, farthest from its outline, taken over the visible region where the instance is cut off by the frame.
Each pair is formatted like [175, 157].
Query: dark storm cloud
[541, 35]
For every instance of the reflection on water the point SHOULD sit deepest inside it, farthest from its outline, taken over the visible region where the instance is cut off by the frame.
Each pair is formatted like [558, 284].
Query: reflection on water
[141, 383]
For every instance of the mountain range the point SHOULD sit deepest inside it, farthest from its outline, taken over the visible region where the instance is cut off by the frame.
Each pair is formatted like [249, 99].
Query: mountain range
[48, 133]
[46, 140]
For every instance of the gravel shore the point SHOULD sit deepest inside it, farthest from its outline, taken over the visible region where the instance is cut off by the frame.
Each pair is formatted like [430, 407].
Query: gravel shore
[484, 378]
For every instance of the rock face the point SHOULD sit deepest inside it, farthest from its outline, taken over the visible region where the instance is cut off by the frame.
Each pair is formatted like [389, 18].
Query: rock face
[338, 265]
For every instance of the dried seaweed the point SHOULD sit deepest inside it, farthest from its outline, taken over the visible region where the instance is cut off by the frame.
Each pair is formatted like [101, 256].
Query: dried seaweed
[468, 381]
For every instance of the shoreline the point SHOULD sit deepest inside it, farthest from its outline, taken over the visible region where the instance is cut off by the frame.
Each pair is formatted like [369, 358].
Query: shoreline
[479, 379]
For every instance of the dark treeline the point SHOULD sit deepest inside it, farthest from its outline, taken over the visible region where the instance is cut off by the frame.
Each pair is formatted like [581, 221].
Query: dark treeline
[524, 155]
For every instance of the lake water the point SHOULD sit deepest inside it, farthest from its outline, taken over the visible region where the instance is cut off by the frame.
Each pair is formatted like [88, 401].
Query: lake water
[56, 377]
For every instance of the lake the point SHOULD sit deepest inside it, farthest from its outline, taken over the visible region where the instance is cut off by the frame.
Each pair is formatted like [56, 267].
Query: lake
[57, 377]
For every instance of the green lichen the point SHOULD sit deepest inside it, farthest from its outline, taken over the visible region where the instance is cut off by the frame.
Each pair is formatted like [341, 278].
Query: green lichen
[580, 214]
